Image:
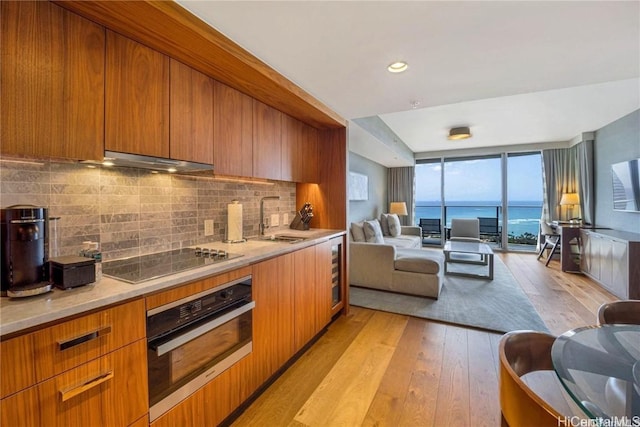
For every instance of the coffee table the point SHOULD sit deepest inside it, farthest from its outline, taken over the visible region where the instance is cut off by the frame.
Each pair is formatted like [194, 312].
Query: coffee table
[477, 248]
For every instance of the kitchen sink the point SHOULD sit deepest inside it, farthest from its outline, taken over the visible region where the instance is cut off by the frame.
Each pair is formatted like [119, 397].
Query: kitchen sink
[284, 238]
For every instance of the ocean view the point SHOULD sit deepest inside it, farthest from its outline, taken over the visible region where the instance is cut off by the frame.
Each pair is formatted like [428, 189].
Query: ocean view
[524, 216]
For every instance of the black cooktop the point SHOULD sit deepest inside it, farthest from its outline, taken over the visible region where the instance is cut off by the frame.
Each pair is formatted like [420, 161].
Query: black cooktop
[146, 267]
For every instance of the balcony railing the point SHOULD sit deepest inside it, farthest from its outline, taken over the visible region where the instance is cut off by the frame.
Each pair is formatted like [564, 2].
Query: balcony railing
[522, 229]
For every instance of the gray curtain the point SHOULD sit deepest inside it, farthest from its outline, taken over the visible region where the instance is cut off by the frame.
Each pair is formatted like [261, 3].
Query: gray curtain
[400, 188]
[584, 154]
[568, 170]
[559, 176]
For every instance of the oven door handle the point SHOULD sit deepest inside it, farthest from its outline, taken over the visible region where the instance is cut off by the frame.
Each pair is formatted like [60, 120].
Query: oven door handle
[201, 330]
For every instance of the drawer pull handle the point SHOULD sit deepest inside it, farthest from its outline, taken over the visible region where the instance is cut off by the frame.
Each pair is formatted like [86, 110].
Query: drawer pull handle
[66, 395]
[63, 345]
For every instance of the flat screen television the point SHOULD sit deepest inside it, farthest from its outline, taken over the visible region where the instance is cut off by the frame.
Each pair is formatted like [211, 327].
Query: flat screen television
[626, 186]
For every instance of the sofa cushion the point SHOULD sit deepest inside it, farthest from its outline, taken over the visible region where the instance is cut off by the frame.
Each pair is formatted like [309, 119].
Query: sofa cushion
[394, 225]
[403, 241]
[357, 231]
[384, 224]
[418, 261]
[373, 232]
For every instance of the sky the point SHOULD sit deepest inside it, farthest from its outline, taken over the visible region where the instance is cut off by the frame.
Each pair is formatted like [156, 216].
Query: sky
[480, 180]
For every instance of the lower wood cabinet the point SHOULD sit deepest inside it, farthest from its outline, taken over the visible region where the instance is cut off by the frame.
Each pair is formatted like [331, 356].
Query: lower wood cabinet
[108, 391]
[102, 381]
[273, 316]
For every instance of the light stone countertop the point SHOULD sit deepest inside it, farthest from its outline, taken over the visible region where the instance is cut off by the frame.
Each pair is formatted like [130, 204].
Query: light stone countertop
[18, 314]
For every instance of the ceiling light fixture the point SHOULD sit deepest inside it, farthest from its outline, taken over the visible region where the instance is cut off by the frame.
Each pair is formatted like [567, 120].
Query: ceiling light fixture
[462, 132]
[397, 67]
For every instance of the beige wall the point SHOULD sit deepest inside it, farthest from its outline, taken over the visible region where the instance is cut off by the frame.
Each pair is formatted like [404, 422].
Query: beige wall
[134, 212]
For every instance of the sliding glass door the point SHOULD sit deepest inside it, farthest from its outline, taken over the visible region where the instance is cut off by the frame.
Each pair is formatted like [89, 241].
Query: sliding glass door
[503, 191]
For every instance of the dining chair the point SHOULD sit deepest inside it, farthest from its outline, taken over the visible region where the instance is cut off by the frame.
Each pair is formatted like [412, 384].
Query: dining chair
[551, 241]
[618, 312]
[465, 230]
[623, 311]
[521, 353]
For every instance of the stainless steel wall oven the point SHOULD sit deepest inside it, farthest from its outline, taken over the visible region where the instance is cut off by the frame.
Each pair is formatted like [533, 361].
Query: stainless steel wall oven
[192, 340]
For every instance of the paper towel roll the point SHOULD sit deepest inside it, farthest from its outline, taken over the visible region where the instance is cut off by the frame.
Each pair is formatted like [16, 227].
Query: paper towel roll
[234, 221]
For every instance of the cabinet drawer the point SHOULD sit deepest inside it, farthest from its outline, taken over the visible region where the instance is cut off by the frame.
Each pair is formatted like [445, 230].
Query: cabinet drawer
[108, 391]
[37, 356]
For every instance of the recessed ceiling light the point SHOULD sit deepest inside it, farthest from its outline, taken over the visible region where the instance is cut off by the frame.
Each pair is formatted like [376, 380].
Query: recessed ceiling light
[172, 170]
[398, 67]
[462, 132]
[107, 163]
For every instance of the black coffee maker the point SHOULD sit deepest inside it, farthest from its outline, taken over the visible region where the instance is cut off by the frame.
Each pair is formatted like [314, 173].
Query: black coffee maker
[24, 257]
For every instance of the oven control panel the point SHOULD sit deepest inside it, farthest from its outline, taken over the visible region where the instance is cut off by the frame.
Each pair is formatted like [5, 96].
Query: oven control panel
[166, 319]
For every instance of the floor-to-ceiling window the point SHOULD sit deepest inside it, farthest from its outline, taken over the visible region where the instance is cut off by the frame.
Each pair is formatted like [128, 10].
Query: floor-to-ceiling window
[429, 200]
[504, 191]
[524, 199]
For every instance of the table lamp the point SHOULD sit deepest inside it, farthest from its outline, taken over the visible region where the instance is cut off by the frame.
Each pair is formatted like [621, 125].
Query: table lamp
[570, 200]
[398, 208]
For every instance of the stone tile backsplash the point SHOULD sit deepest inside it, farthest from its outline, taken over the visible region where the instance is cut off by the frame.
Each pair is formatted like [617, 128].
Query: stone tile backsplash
[133, 211]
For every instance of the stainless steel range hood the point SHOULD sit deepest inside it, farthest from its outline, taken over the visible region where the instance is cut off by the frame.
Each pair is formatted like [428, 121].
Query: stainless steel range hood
[112, 158]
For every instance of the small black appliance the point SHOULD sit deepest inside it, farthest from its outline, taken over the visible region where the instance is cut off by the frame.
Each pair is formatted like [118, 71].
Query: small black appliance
[24, 257]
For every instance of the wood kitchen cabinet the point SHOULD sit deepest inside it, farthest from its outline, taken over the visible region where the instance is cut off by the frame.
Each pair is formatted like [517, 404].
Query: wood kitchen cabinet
[90, 370]
[273, 316]
[191, 114]
[267, 147]
[52, 82]
[313, 285]
[107, 391]
[305, 289]
[136, 98]
[299, 151]
[233, 132]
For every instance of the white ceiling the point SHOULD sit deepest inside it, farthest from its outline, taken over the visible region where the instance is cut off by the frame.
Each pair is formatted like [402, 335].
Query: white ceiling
[515, 72]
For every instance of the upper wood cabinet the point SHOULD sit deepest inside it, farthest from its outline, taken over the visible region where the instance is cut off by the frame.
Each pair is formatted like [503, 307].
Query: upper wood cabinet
[137, 98]
[299, 151]
[233, 132]
[51, 81]
[191, 114]
[267, 135]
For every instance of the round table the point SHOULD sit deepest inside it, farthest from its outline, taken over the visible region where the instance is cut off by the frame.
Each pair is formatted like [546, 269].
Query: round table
[599, 367]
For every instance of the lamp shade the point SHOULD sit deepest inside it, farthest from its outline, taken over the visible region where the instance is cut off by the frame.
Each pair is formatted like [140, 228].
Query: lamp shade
[398, 208]
[569, 199]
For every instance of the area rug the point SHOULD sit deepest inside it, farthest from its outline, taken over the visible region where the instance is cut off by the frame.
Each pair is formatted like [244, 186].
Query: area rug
[499, 305]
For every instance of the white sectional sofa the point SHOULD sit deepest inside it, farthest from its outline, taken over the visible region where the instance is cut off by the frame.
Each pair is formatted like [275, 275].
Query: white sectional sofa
[396, 264]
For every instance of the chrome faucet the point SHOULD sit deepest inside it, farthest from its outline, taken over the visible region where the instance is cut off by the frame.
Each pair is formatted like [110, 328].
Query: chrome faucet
[262, 224]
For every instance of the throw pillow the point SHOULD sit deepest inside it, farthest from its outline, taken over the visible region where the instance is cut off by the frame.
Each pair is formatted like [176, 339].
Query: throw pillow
[384, 224]
[394, 225]
[373, 232]
[357, 232]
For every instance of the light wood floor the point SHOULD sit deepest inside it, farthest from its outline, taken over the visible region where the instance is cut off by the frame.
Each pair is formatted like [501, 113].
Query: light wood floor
[378, 369]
